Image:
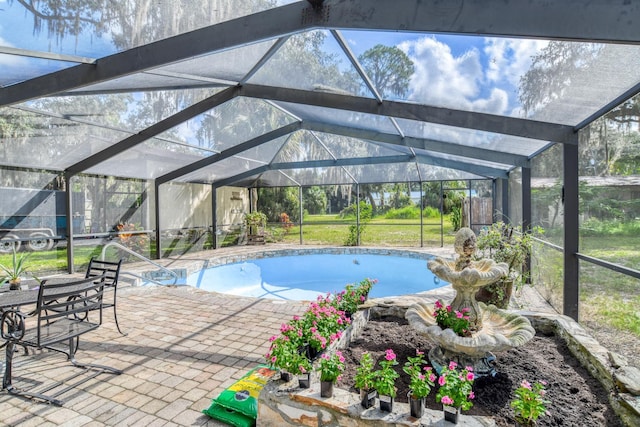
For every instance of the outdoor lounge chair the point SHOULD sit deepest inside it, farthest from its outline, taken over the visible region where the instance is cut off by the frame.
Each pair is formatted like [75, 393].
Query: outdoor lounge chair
[111, 270]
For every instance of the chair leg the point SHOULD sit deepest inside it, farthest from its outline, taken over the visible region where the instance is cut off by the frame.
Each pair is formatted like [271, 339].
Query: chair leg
[73, 347]
[115, 313]
[8, 385]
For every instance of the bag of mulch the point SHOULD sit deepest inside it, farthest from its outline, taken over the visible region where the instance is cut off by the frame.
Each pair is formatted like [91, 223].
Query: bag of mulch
[241, 398]
[228, 416]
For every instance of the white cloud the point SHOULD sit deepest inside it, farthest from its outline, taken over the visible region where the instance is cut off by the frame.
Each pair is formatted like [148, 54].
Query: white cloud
[510, 59]
[441, 78]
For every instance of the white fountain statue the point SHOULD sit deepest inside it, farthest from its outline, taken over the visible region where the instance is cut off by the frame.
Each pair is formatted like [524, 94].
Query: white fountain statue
[490, 329]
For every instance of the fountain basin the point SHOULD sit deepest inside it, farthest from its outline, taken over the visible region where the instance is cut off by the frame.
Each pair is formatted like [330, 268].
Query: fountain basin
[501, 330]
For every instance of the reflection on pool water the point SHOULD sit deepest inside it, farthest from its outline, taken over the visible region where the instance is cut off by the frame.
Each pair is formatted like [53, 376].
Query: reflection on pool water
[304, 277]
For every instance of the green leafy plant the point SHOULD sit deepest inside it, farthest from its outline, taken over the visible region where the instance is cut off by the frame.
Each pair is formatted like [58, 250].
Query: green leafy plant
[13, 273]
[287, 355]
[385, 377]
[331, 367]
[456, 320]
[530, 403]
[353, 295]
[365, 375]
[254, 221]
[456, 386]
[508, 243]
[421, 376]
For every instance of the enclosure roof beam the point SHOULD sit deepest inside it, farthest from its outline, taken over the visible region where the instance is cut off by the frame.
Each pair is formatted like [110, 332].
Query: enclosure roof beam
[252, 143]
[446, 116]
[363, 161]
[474, 152]
[481, 170]
[606, 20]
[153, 130]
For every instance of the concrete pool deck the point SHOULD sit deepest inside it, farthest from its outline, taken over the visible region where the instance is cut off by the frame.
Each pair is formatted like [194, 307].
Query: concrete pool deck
[184, 346]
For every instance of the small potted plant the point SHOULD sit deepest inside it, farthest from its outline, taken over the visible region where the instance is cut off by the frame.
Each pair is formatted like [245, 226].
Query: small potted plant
[456, 390]
[365, 381]
[331, 368]
[421, 380]
[509, 244]
[13, 273]
[385, 381]
[530, 403]
[255, 222]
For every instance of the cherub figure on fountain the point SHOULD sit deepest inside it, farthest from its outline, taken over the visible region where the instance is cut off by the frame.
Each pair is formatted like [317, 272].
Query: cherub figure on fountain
[491, 329]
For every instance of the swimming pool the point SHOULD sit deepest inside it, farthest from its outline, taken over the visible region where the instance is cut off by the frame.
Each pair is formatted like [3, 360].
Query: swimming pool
[304, 277]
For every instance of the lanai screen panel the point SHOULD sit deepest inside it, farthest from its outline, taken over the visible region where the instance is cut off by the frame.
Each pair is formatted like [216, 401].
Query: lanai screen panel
[229, 124]
[556, 81]
[16, 69]
[312, 60]
[47, 142]
[471, 137]
[149, 160]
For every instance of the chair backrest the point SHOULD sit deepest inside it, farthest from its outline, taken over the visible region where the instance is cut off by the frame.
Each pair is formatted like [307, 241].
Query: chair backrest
[66, 303]
[110, 269]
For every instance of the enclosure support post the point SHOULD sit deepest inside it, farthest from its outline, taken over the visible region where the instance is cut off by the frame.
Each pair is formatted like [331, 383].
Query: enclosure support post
[504, 190]
[214, 216]
[357, 214]
[156, 201]
[421, 219]
[441, 214]
[301, 211]
[571, 230]
[526, 213]
[69, 203]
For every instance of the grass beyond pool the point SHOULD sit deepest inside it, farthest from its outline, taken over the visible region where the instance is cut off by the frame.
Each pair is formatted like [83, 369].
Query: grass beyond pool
[304, 277]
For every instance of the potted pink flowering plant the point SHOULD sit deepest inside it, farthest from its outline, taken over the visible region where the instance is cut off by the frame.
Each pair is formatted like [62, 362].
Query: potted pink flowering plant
[421, 380]
[385, 381]
[456, 390]
[331, 368]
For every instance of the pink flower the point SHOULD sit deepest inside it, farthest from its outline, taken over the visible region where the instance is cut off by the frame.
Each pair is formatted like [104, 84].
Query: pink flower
[273, 359]
[272, 338]
[458, 315]
[447, 400]
[449, 308]
[296, 317]
[442, 381]
[432, 378]
[472, 395]
[390, 355]
[525, 384]
[438, 304]
[419, 353]
[452, 365]
[421, 376]
[470, 376]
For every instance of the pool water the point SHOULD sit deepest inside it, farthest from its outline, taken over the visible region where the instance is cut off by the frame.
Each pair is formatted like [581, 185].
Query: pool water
[304, 277]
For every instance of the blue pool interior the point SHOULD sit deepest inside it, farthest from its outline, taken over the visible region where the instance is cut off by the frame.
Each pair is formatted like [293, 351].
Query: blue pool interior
[304, 277]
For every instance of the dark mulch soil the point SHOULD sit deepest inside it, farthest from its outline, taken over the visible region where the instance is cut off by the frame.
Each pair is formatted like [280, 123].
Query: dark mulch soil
[576, 398]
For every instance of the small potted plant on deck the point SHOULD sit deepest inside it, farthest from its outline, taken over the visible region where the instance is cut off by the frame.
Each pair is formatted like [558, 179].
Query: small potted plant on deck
[365, 381]
[421, 380]
[385, 381]
[456, 390]
[331, 367]
[13, 273]
[255, 222]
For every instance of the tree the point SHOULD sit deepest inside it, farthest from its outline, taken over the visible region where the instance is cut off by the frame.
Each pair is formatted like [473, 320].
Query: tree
[389, 68]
